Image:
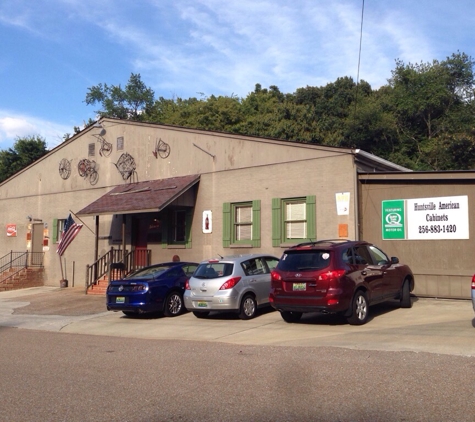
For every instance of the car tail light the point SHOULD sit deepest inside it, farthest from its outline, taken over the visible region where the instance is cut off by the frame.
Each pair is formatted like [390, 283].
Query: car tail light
[230, 283]
[275, 276]
[473, 282]
[139, 288]
[187, 284]
[331, 275]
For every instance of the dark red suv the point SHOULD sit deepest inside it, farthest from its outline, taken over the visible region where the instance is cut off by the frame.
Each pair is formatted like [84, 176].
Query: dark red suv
[338, 276]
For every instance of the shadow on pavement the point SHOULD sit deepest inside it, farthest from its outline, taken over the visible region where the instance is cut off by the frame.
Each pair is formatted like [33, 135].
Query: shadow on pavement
[66, 302]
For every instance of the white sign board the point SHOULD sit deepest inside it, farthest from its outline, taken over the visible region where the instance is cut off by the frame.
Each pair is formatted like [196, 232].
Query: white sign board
[207, 221]
[342, 203]
[437, 218]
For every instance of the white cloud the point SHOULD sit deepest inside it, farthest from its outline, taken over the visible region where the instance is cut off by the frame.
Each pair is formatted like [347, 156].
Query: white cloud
[13, 125]
[186, 47]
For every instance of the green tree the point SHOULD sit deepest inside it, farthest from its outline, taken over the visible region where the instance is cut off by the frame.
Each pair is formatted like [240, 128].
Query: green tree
[24, 152]
[433, 104]
[213, 113]
[131, 103]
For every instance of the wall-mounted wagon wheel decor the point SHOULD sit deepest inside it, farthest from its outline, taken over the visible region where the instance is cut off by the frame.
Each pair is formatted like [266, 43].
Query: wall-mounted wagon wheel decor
[87, 169]
[161, 148]
[65, 168]
[126, 165]
[106, 147]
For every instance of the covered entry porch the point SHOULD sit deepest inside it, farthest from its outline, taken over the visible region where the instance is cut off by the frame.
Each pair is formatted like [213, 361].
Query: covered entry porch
[146, 217]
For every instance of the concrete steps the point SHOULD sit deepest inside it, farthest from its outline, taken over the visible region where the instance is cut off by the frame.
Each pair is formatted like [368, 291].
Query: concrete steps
[100, 288]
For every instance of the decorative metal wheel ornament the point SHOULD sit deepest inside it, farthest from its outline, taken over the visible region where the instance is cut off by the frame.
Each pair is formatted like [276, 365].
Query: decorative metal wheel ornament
[65, 168]
[126, 165]
[162, 149]
[106, 147]
[83, 166]
[87, 169]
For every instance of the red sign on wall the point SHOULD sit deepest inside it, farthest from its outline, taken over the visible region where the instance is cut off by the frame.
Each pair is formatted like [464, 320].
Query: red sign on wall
[11, 230]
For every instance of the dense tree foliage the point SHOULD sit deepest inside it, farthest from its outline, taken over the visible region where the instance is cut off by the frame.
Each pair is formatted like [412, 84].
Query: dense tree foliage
[24, 152]
[422, 119]
[130, 103]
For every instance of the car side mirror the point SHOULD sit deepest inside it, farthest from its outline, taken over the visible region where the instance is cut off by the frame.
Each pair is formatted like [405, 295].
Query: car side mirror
[394, 260]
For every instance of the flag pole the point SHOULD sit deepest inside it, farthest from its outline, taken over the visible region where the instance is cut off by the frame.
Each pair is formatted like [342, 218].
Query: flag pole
[61, 265]
[82, 221]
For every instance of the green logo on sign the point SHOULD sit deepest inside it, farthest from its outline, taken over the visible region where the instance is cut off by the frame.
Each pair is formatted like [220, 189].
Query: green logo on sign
[393, 224]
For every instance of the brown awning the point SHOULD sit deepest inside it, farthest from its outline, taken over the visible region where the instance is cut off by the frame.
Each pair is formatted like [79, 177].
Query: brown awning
[153, 195]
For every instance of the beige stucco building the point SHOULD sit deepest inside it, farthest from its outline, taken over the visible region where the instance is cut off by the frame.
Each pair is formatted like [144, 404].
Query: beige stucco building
[436, 238]
[198, 194]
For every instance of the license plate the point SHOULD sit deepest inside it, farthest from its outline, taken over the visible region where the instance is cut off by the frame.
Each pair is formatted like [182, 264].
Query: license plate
[202, 305]
[120, 299]
[300, 287]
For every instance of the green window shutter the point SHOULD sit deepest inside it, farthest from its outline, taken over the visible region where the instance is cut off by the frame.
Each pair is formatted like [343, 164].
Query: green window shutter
[165, 229]
[256, 223]
[311, 217]
[276, 221]
[188, 221]
[55, 230]
[226, 225]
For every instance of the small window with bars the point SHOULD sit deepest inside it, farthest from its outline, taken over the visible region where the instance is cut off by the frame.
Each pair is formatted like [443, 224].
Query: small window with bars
[91, 150]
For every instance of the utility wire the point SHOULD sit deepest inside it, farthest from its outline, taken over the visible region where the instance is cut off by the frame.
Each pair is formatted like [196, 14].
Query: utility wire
[359, 56]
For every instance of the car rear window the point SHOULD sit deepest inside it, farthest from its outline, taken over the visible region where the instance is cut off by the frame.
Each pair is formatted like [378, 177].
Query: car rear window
[214, 270]
[304, 260]
[149, 272]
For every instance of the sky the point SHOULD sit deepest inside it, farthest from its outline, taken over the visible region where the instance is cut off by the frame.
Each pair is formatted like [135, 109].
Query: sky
[52, 51]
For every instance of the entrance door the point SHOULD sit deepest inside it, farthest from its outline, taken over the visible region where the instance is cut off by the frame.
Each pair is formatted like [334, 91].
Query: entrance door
[140, 231]
[36, 257]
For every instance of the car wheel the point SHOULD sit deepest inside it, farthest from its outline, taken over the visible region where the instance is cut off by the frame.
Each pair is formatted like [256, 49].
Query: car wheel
[173, 305]
[405, 301]
[289, 316]
[248, 307]
[129, 313]
[202, 314]
[359, 309]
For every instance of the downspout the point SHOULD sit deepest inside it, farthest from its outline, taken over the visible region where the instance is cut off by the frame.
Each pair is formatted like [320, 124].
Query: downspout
[123, 239]
[357, 198]
[96, 247]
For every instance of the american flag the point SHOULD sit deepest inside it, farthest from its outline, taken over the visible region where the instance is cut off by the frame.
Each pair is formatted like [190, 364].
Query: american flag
[71, 229]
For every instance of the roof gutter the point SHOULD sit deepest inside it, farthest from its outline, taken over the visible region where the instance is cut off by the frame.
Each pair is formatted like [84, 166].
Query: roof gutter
[378, 161]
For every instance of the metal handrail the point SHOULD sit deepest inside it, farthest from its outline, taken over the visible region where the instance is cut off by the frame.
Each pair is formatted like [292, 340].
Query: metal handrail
[14, 262]
[131, 260]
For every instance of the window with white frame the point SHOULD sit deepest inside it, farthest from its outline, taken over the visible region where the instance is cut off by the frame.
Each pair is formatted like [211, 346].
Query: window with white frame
[295, 219]
[58, 228]
[242, 222]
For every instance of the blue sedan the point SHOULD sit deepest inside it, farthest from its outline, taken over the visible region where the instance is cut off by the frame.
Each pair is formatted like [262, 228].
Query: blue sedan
[158, 288]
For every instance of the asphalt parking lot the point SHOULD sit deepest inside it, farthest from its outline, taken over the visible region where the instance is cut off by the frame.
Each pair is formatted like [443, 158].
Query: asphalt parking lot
[431, 325]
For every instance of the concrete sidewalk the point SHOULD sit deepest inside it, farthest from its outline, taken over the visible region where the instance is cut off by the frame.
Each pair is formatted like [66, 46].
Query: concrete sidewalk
[48, 308]
[431, 325]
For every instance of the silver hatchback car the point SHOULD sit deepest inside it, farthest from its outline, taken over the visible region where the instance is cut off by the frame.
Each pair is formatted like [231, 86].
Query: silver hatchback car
[239, 283]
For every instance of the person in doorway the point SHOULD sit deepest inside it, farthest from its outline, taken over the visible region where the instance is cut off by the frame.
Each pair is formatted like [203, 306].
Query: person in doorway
[176, 258]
